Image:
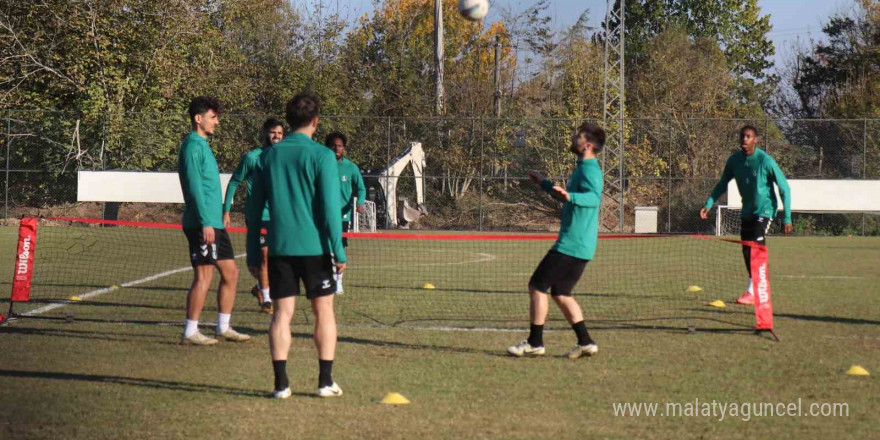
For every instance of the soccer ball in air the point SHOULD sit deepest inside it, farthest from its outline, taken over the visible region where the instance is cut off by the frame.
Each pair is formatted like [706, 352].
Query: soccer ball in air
[473, 10]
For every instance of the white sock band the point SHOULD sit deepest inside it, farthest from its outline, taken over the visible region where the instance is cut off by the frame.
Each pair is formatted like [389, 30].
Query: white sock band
[190, 328]
[223, 322]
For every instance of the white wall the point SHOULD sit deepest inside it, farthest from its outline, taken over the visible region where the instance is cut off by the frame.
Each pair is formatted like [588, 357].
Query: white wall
[823, 195]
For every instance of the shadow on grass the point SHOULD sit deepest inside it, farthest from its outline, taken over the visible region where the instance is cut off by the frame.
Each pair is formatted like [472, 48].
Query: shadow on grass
[410, 346]
[833, 319]
[520, 292]
[79, 334]
[139, 382]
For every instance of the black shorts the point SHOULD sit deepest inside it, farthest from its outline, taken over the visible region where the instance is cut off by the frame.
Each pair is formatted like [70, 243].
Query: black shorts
[201, 254]
[316, 273]
[346, 226]
[557, 274]
[755, 229]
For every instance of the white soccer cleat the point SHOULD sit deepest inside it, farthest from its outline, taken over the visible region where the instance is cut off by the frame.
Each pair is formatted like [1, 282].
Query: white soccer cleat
[283, 394]
[525, 349]
[234, 336]
[582, 350]
[197, 338]
[330, 391]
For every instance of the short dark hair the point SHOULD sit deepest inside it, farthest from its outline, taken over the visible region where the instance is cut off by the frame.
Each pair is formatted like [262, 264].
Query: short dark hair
[267, 127]
[335, 135]
[302, 109]
[594, 134]
[742, 131]
[201, 104]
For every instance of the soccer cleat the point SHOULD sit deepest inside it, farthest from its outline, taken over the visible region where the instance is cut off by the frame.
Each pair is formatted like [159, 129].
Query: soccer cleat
[234, 336]
[747, 298]
[332, 390]
[339, 290]
[582, 350]
[197, 338]
[283, 394]
[258, 295]
[525, 349]
[267, 308]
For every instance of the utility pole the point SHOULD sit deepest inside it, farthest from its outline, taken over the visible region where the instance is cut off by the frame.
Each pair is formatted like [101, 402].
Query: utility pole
[438, 57]
[497, 76]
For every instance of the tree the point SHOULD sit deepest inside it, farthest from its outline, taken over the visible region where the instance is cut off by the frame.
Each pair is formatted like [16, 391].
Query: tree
[737, 26]
[840, 78]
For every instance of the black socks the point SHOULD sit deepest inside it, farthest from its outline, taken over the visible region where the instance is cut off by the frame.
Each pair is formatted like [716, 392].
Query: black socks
[536, 335]
[325, 373]
[580, 329]
[280, 368]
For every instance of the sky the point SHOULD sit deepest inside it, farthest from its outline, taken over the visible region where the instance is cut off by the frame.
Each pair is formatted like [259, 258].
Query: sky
[792, 20]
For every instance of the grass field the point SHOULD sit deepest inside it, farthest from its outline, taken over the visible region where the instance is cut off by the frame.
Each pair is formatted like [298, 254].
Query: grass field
[114, 371]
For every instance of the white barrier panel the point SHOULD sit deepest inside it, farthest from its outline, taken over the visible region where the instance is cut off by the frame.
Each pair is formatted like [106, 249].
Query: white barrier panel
[132, 186]
[823, 195]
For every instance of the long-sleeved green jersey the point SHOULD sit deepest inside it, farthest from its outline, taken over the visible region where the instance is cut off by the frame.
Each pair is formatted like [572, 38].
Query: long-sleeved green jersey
[351, 182]
[579, 229]
[299, 178]
[755, 176]
[245, 171]
[200, 182]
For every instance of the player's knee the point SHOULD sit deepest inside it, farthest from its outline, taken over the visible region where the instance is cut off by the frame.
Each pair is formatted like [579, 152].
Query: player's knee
[230, 272]
[534, 290]
[322, 307]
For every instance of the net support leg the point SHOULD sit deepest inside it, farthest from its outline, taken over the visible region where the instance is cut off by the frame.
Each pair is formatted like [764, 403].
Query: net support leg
[772, 333]
[8, 316]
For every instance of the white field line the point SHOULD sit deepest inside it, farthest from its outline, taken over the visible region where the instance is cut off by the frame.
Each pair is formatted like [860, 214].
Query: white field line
[103, 290]
[821, 277]
[481, 258]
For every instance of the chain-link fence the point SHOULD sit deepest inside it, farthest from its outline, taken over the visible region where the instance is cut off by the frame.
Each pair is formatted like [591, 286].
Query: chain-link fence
[475, 177]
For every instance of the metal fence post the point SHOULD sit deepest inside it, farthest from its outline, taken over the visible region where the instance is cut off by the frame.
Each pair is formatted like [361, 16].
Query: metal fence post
[482, 134]
[387, 177]
[669, 183]
[8, 141]
[864, 162]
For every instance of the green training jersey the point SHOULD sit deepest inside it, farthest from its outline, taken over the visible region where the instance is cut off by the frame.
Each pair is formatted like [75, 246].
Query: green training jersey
[755, 176]
[299, 178]
[245, 172]
[200, 182]
[350, 182]
[579, 229]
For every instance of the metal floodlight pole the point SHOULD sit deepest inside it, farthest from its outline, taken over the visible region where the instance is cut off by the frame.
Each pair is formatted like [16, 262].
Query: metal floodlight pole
[497, 76]
[614, 109]
[438, 57]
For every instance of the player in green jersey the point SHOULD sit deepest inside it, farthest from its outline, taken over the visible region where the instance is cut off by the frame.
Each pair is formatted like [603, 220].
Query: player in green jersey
[564, 264]
[300, 180]
[209, 243]
[257, 251]
[351, 183]
[755, 173]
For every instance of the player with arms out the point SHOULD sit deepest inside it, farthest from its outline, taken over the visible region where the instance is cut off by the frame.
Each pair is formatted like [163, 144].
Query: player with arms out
[300, 180]
[755, 173]
[564, 264]
[257, 251]
[351, 183]
[209, 243]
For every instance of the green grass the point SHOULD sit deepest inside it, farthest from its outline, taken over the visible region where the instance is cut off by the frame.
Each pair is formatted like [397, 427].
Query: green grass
[113, 372]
